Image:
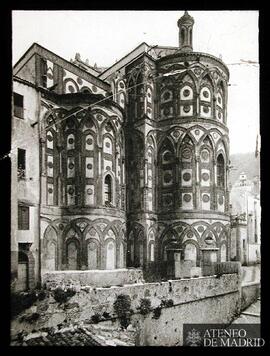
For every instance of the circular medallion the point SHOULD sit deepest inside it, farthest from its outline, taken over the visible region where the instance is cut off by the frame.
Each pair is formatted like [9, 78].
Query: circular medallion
[89, 141]
[219, 115]
[167, 156]
[219, 99]
[49, 76]
[89, 191]
[108, 168]
[70, 191]
[149, 95]
[149, 110]
[200, 229]
[186, 176]
[186, 153]
[89, 166]
[205, 198]
[215, 135]
[186, 92]
[92, 246]
[61, 226]
[79, 81]
[108, 128]
[205, 155]
[186, 108]
[197, 132]
[205, 94]
[149, 154]
[107, 144]
[50, 164]
[49, 138]
[187, 198]
[99, 117]
[71, 166]
[190, 234]
[205, 176]
[94, 88]
[70, 140]
[206, 109]
[122, 86]
[167, 177]
[71, 89]
[50, 190]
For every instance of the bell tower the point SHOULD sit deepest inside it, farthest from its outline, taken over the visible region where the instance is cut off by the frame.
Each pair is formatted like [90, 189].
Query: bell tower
[185, 24]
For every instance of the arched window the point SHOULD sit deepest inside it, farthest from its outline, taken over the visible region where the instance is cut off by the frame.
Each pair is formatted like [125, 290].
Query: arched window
[220, 171]
[108, 189]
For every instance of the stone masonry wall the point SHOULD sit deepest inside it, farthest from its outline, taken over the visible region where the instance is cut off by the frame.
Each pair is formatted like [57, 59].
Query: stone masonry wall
[208, 292]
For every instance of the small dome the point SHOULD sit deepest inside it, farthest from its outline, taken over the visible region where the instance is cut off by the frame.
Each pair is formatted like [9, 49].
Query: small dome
[186, 19]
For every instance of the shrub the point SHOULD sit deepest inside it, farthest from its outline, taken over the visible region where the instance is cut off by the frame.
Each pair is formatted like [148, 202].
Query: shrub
[96, 318]
[157, 312]
[122, 309]
[21, 301]
[166, 303]
[145, 306]
[62, 296]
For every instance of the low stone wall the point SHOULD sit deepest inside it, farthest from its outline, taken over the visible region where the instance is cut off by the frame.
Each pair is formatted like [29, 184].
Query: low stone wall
[97, 278]
[250, 292]
[168, 329]
[214, 296]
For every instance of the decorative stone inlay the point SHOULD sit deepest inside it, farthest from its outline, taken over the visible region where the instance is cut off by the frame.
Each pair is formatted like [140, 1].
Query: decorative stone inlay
[200, 229]
[49, 138]
[94, 88]
[50, 164]
[70, 140]
[122, 85]
[176, 133]
[186, 153]
[71, 166]
[107, 144]
[219, 115]
[219, 100]
[71, 89]
[89, 166]
[167, 177]
[82, 225]
[220, 200]
[108, 168]
[205, 155]
[206, 109]
[50, 190]
[197, 71]
[197, 132]
[166, 111]
[89, 191]
[89, 141]
[108, 128]
[205, 176]
[79, 81]
[209, 240]
[186, 176]
[71, 191]
[205, 94]
[99, 117]
[166, 95]
[167, 156]
[190, 234]
[186, 92]
[205, 198]
[215, 135]
[187, 198]
[186, 108]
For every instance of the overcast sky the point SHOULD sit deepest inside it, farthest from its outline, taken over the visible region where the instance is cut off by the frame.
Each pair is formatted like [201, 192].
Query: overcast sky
[105, 36]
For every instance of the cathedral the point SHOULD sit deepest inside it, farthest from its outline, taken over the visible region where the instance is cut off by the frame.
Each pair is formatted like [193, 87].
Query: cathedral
[120, 167]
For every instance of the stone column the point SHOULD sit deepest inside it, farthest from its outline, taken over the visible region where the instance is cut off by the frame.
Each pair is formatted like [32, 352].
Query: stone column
[209, 259]
[174, 262]
[197, 185]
